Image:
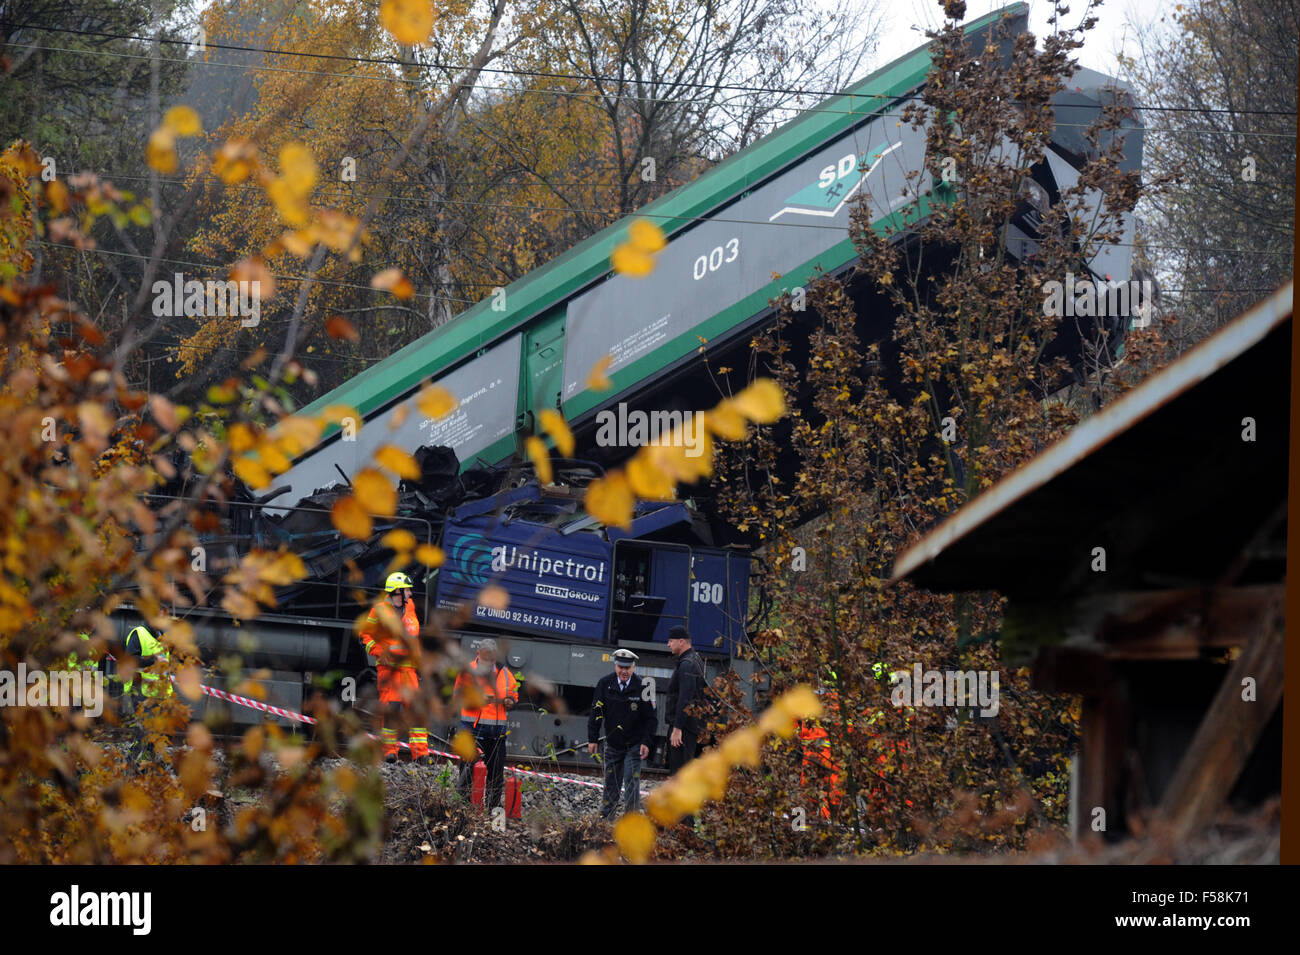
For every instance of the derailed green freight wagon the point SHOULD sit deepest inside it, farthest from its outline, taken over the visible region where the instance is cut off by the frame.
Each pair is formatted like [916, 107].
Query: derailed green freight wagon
[760, 223]
[780, 207]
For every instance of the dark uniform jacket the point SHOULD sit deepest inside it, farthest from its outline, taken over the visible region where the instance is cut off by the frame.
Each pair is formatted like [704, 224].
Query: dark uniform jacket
[629, 720]
[684, 689]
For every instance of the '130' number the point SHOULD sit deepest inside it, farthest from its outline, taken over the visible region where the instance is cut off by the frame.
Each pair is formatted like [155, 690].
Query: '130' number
[706, 593]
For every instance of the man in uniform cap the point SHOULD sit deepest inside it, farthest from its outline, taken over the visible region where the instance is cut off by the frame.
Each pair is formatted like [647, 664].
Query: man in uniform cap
[625, 705]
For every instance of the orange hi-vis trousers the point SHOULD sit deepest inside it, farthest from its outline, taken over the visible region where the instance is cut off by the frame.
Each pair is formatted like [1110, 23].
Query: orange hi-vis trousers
[395, 685]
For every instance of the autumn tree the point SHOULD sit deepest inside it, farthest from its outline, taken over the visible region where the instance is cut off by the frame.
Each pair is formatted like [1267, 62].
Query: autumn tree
[892, 435]
[669, 90]
[85, 446]
[70, 82]
[1217, 80]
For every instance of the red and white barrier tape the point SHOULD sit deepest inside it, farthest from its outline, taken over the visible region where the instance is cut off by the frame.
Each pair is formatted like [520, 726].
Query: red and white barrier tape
[303, 718]
[255, 704]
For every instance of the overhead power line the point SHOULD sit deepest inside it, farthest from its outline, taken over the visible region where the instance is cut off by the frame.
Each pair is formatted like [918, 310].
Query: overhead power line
[578, 94]
[536, 74]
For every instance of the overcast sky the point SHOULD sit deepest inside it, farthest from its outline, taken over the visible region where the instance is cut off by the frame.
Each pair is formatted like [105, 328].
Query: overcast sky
[1112, 34]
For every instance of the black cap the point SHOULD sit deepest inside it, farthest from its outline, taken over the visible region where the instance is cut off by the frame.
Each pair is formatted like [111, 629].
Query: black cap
[679, 633]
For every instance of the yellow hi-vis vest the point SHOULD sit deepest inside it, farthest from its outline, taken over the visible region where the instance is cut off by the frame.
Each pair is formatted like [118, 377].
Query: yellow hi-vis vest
[152, 646]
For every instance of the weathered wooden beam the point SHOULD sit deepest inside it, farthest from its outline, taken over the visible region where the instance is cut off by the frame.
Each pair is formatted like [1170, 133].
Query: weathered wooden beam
[1103, 733]
[1178, 624]
[1069, 669]
[1230, 729]
[1146, 625]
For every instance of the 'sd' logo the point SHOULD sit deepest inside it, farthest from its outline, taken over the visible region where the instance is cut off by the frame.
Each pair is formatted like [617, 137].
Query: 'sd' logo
[836, 184]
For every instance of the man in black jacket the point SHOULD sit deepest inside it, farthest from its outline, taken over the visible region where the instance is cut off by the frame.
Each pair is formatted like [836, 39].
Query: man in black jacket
[684, 688]
[626, 708]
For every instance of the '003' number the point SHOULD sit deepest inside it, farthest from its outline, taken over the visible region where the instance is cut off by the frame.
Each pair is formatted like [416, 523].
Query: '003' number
[717, 258]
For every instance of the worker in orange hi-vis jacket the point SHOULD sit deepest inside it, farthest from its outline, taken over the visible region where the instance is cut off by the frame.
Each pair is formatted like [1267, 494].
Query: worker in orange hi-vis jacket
[816, 745]
[398, 663]
[496, 691]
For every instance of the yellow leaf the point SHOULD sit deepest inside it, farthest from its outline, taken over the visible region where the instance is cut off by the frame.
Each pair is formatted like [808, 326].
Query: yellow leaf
[252, 472]
[254, 688]
[742, 747]
[194, 772]
[397, 461]
[392, 280]
[239, 604]
[399, 540]
[762, 402]
[660, 807]
[409, 21]
[437, 402]
[56, 193]
[646, 236]
[254, 273]
[234, 161]
[429, 555]
[292, 207]
[631, 261]
[540, 457]
[553, 423]
[297, 242]
[668, 459]
[337, 414]
[298, 169]
[713, 772]
[181, 636]
[282, 569]
[96, 425]
[183, 121]
[609, 500]
[776, 721]
[374, 492]
[164, 412]
[647, 481]
[345, 779]
[23, 158]
[295, 434]
[389, 620]
[471, 696]
[199, 737]
[463, 745]
[189, 684]
[725, 421]
[253, 740]
[696, 459]
[635, 835]
[272, 458]
[494, 597]
[597, 379]
[351, 519]
[689, 792]
[335, 229]
[801, 703]
[160, 152]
